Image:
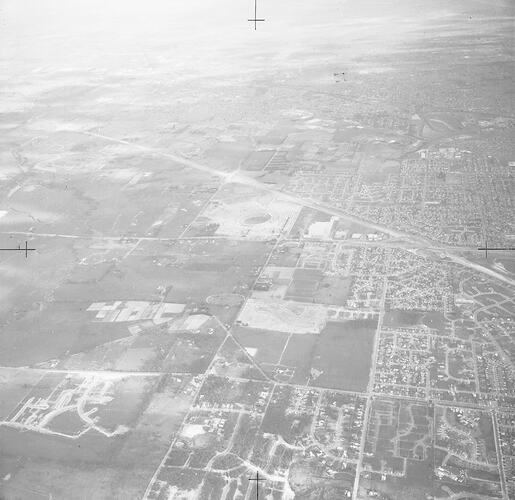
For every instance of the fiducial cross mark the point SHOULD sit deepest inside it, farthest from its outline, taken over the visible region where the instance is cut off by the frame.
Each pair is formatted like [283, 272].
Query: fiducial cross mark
[25, 249]
[255, 20]
[486, 248]
[257, 479]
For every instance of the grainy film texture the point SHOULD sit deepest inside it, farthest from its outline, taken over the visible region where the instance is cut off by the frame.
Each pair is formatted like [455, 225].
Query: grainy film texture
[257, 249]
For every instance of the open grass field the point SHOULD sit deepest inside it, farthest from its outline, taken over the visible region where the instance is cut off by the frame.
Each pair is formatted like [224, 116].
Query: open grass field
[343, 355]
[268, 345]
[299, 353]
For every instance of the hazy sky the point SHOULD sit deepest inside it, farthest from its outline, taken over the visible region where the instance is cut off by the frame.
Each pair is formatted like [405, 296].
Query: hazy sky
[104, 32]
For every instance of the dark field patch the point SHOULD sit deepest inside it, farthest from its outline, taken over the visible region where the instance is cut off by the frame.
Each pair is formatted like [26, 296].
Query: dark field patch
[63, 327]
[402, 318]
[299, 354]
[396, 318]
[301, 290]
[269, 345]
[333, 290]
[343, 355]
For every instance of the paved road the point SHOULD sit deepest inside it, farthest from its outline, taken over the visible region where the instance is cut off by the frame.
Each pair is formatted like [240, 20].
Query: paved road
[238, 177]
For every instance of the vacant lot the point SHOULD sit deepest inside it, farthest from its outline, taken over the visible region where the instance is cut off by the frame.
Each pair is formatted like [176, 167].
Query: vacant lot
[343, 355]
